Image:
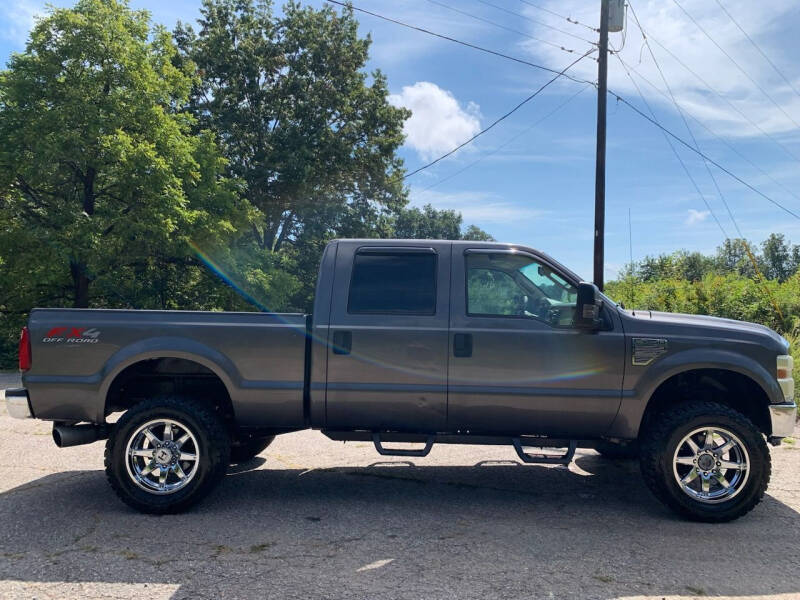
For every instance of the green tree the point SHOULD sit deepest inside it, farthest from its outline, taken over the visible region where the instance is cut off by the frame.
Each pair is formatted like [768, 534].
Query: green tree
[732, 257]
[653, 268]
[476, 234]
[692, 266]
[432, 224]
[310, 134]
[777, 256]
[100, 176]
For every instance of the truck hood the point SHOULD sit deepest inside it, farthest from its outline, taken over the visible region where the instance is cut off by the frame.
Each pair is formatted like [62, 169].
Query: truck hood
[682, 324]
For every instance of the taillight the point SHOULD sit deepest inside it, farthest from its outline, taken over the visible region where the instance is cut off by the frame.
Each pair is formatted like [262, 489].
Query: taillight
[24, 350]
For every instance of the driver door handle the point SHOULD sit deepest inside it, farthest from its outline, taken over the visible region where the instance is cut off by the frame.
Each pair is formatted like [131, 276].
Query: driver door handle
[462, 345]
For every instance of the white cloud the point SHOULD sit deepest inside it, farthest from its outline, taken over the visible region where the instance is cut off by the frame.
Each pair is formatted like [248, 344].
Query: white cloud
[17, 20]
[438, 122]
[696, 216]
[770, 24]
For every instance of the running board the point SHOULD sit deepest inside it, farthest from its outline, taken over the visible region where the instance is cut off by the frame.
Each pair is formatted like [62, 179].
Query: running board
[376, 439]
[544, 459]
[428, 439]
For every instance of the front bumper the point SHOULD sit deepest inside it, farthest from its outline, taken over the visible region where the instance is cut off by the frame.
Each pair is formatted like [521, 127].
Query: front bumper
[18, 404]
[783, 417]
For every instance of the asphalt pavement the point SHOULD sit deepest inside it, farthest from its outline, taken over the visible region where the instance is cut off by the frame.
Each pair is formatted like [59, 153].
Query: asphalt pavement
[313, 518]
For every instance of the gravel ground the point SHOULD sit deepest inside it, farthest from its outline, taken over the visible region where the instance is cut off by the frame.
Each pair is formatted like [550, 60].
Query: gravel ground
[312, 518]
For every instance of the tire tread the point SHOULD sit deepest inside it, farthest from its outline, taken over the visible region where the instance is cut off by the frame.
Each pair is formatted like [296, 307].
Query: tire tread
[219, 452]
[654, 438]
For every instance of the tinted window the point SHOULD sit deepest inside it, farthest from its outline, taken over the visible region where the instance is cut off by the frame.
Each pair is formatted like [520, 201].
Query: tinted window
[492, 292]
[393, 282]
[509, 284]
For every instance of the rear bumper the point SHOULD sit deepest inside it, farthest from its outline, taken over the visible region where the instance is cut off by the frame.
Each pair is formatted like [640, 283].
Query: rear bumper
[18, 404]
[783, 417]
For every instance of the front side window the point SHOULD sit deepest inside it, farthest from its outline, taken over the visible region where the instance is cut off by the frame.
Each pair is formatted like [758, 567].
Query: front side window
[393, 283]
[514, 285]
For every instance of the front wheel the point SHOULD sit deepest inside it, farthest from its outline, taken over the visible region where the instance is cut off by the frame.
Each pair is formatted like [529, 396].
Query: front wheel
[706, 461]
[166, 454]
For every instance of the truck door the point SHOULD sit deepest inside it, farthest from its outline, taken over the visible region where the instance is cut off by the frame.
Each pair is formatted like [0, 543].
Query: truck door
[387, 342]
[517, 365]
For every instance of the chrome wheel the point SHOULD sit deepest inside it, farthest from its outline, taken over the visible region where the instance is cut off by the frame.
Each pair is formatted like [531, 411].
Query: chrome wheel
[162, 456]
[711, 465]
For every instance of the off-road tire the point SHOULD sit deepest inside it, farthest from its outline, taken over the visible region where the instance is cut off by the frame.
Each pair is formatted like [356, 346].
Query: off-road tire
[245, 449]
[658, 443]
[618, 450]
[214, 450]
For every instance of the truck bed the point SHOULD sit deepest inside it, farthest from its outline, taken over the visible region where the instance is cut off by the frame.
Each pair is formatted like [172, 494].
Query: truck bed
[78, 354]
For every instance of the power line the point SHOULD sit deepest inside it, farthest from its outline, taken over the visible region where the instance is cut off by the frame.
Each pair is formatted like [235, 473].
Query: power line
[570, 77]
[703, 155]
[507, 142]
[674, 151]
[537, 22]
[758, 48]
[719, 95]
[738, 66]
[505, 116]
[715, 134]
[683, 118]
[555, 14]
[500, 26]
[708, 169]
[521, 61]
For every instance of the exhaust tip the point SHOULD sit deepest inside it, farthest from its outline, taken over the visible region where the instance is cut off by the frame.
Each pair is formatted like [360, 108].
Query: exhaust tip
[65, 436]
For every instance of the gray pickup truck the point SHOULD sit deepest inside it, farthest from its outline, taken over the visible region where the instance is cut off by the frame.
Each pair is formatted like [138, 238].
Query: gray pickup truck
[420, 342]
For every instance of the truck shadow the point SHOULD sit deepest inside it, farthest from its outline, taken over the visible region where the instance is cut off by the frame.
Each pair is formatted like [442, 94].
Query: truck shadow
[399, 530]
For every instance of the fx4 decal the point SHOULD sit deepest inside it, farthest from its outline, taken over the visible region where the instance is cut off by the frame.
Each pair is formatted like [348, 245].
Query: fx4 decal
[72, 335]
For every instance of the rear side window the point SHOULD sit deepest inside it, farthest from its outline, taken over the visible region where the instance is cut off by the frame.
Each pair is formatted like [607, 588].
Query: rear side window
[393, 283]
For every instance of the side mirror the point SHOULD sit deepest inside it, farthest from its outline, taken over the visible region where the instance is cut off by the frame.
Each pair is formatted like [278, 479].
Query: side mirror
[587, 309]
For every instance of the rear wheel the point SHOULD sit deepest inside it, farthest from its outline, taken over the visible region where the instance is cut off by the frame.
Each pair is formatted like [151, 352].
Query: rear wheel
[706, 461]
[166, 454]
[244, 449]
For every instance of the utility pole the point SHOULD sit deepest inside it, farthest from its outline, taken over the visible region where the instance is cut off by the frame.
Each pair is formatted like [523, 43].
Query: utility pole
[600, 169]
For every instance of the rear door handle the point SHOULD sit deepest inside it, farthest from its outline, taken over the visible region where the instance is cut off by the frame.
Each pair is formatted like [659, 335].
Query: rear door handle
[342, 342]
[462, 344]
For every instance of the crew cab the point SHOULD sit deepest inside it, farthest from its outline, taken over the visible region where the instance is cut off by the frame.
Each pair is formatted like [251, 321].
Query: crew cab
[425, 342]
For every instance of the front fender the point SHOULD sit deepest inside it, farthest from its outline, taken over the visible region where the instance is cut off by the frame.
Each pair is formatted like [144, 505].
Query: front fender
[634, 400]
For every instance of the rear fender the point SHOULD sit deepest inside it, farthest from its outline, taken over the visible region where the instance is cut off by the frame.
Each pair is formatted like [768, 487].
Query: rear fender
[167, 347]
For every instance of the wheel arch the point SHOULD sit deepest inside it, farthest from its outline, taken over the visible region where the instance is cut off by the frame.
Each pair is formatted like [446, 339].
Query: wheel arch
[724, 386]
[187, 359]
[738, 381]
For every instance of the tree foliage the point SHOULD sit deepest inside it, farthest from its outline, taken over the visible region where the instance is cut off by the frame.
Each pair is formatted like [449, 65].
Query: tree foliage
[99, 173]
[145, 169]
[311, 139]
[778, 259]
[432, 224]
[726, 284]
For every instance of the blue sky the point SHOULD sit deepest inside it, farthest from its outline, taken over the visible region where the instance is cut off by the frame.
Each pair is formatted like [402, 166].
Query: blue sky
[535, 184]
